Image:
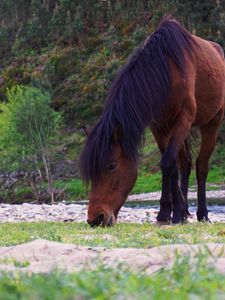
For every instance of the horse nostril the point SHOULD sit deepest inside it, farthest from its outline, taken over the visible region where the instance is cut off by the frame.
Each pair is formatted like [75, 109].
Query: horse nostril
[90, 223]
[98, 221]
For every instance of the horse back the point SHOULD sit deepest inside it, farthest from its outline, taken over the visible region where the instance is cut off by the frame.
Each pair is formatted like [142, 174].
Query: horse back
[210, 79]
[218, 48]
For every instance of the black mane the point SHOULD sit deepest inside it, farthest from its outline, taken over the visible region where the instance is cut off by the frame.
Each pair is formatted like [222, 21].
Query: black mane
[137, 96]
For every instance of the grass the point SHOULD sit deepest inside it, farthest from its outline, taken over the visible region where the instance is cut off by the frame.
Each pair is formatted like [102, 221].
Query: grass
[13, 261]
[146, 182]
[184, 280]
[74, 188]
[122, 235]
[149, 177]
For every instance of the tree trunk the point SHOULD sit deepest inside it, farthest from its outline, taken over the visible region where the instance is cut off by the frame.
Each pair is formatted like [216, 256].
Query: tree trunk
[49, 177]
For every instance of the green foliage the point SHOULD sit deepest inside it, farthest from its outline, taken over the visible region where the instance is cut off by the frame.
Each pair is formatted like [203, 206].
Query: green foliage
[88, 84]
[100, 33]
[17, 194]
[27, 123]
[60, 65]
[4, 41]
[218, 157]
[139, 35]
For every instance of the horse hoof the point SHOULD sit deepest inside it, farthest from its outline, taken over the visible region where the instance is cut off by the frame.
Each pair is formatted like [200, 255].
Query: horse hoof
[163, 217]
[180, 219]
[176, 221]
[163, 222]
[189, 214]
[203, 217]
[184, 221]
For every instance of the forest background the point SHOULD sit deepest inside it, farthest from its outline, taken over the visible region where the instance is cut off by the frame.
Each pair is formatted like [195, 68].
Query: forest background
[57, 61]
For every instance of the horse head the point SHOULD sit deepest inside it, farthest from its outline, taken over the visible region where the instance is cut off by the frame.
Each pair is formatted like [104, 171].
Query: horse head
[109, 189]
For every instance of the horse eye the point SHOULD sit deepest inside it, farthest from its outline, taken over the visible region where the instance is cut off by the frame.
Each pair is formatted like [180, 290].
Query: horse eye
[111, 166]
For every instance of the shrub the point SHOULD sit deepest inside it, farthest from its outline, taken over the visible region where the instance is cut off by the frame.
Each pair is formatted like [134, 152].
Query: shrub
[27, 126]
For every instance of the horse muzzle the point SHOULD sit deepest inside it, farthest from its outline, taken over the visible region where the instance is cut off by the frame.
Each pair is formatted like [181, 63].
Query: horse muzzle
[103, 220]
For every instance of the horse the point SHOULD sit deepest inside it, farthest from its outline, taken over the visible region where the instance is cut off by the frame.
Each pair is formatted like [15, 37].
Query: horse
[172, 82]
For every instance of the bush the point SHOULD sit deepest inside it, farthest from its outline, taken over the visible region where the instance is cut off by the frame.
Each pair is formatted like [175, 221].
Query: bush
[27, 126]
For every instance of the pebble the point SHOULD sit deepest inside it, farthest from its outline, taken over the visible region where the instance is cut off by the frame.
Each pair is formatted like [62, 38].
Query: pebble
[78, 213]
[191, 195]
[63, 212]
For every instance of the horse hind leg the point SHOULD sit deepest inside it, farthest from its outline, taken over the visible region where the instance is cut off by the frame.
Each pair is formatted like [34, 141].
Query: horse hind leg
[172, 198]
[208, 142]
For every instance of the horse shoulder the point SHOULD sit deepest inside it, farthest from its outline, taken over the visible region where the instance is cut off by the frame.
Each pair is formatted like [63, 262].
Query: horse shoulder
[181, 82]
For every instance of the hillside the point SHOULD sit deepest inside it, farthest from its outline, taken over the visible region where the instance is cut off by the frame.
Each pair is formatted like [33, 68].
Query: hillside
[73, 49]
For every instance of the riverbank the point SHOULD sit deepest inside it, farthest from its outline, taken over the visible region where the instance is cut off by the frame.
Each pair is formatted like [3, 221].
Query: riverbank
[155, 196]
[145, 210]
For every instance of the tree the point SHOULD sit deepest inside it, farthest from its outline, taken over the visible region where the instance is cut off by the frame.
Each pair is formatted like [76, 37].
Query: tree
[27, 126]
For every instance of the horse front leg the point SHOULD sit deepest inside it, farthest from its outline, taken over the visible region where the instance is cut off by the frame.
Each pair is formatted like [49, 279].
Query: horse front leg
[164, 215]
[170, 175]
[185, 164]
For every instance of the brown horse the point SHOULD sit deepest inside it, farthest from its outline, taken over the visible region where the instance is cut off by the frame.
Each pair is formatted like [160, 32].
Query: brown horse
[173, 82]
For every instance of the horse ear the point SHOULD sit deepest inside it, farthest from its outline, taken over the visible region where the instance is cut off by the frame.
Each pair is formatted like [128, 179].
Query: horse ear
[85, 130]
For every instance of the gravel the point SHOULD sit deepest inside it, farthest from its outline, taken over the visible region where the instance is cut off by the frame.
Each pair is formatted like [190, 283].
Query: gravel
[63, 212]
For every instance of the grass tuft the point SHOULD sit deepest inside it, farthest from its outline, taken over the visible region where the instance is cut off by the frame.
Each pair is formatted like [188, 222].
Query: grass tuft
[184, 280]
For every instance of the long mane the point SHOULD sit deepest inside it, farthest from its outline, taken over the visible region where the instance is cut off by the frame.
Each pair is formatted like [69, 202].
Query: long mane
[137, 97]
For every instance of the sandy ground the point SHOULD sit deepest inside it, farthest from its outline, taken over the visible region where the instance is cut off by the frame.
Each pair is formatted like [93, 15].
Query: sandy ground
[42, 256]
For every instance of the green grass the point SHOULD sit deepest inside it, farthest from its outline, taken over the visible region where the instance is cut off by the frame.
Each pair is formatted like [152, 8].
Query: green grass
[121, 235]
[184, 280]
[13, 261]
[216, 175]
[146, 182]
[74, 188]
